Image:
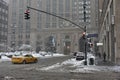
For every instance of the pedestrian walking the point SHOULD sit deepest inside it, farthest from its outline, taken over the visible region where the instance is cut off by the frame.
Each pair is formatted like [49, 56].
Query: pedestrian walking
[104, 56]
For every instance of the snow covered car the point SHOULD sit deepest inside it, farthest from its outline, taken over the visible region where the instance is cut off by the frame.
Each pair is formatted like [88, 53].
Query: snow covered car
[74, 54]
[80, 56]
[90, 57]
[24, 59]
[43, 53]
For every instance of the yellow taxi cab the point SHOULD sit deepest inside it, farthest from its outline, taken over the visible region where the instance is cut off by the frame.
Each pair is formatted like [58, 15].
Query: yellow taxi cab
[24, 59]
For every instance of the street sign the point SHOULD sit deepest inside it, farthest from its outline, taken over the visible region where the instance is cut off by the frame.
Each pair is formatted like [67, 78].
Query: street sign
[99, 44]
[92, 35]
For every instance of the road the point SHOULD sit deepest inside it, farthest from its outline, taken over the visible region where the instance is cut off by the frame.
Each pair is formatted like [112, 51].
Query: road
[9, 71]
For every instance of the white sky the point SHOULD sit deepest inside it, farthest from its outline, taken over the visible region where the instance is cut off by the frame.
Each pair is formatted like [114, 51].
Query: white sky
[6, 0]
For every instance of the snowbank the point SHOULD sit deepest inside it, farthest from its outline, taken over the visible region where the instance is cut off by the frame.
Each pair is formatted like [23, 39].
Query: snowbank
[42, 54]
[71, 65]
[5, 58]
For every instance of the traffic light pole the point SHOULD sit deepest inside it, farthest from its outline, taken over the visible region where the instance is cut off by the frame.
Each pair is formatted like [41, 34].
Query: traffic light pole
[85, 28]
[80, 27]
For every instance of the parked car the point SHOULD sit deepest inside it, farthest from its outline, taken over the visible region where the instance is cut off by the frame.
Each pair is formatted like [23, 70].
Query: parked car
[43, 53]
[74, 54]
[28, 58]
[80, 56]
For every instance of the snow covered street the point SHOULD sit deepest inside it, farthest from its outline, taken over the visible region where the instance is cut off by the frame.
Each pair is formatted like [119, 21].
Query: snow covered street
[57, 68]
[70, 65]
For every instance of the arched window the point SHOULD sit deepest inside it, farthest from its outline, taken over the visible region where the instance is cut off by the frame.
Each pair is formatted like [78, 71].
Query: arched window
[67, 37]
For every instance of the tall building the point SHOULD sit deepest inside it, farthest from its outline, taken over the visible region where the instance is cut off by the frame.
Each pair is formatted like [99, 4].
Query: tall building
[3, 25]
[109, 29]
[46, 32]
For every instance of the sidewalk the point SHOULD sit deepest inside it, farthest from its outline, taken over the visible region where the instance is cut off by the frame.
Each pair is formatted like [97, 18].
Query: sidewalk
[100, 62]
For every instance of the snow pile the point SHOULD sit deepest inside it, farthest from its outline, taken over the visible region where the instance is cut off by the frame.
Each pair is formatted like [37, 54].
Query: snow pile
[86, 69]
[37, 55]
[80, 67]
[72, 65]
[50, 67]
[73, 62]
[42, 54]
[76, 66]
[5, 58]
[58, 54]
[115, 68]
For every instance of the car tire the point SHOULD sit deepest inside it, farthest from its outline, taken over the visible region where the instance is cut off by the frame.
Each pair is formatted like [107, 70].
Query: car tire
[24, 62]
[36, 61]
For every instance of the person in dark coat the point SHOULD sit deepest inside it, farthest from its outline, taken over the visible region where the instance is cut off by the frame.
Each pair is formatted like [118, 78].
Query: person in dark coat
[104, 56]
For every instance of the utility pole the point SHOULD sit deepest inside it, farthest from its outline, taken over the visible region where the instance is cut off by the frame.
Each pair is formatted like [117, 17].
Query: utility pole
[84, 7]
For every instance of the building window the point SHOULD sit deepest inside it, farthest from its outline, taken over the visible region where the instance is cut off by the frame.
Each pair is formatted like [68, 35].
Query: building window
[28, 36]
[27, 42]
[20, 43]
[67, 37]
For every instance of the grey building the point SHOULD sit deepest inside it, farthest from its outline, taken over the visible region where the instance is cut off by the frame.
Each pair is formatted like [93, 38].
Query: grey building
[3, 25]
[46, 32]
[109, 29]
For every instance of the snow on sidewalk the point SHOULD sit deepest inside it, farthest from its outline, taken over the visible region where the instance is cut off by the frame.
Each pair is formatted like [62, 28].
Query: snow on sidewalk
[5, 58]
[77, 66]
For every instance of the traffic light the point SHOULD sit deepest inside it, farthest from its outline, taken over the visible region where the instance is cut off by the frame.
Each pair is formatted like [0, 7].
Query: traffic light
[27, 14]
[84, 35]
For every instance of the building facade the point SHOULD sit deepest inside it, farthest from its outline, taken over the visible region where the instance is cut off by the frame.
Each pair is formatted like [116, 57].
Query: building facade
[109, 29]
[3, 25]
[46, 32]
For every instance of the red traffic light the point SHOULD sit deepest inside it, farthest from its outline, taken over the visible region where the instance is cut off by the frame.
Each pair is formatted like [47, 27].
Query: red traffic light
[84, 33]
[27, 11]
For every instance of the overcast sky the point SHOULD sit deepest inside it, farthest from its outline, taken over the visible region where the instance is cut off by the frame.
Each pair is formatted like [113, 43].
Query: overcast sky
[6, 0]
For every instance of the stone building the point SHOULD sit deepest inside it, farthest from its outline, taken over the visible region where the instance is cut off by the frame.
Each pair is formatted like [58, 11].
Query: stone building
[46, 32]
[3, 25]
[109, 29]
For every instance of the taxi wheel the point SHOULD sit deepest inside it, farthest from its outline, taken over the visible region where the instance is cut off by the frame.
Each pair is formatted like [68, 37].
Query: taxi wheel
[36, 61]
[24, 62]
